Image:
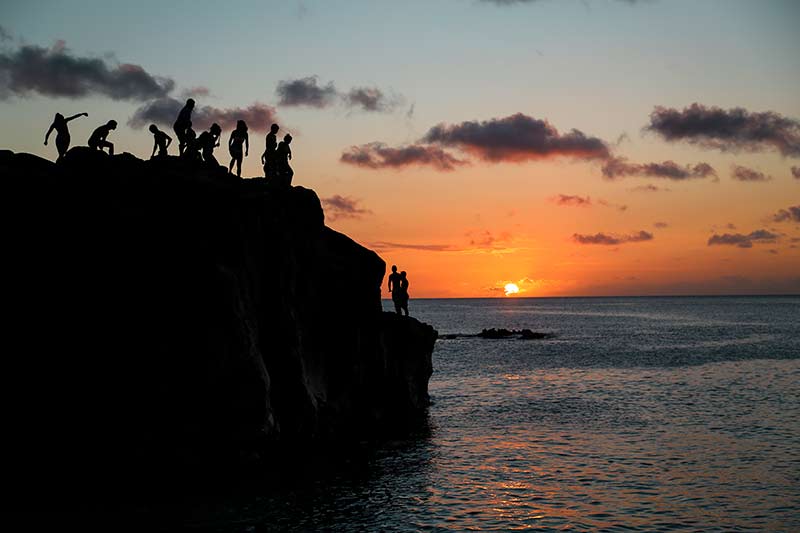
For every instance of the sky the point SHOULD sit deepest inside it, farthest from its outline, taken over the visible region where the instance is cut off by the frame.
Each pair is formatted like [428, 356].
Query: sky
[567, 147]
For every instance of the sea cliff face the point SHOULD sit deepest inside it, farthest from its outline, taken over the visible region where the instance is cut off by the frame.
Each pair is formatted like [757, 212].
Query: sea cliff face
[166, 311]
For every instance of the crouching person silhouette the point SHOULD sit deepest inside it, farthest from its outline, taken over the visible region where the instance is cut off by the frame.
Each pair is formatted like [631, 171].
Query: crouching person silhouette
[161, 141]
[98, 139]
[207, 141]
[283, 155]
[62, 132]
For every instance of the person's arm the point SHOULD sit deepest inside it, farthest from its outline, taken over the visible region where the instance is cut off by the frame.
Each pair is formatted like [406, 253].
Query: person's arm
[289, 152]
[155, 145]
[246, 144]
[169, 140]
[230, 140]
[390, 283]
[47, 135]
[264, 158]
[76, 116]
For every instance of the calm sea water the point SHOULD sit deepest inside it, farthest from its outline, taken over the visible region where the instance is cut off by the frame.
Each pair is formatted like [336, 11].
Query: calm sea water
[649, 414]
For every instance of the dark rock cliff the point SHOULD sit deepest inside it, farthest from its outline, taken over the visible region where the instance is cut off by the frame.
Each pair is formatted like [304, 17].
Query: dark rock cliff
[166, 313]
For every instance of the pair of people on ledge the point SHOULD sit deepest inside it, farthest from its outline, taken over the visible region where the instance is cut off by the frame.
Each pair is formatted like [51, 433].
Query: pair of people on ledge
[98, 140]
[276, 158]
[398, 286]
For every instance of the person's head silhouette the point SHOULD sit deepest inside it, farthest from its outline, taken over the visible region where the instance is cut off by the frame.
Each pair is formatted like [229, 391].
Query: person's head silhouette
[58, 118]
[241, 125]
[394, 268]
[274, 128]
[403, 274]
[215, 129]
[287, 139]
[112, 124]
[190, 103]
[153, 128]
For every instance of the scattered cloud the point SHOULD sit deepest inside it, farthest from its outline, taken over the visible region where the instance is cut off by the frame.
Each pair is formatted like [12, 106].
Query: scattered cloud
[566, 199]
[648, 188]
[384, 245]
[5, 35]
[338, 207]
[743, 241]
[377, 155]
[612, 239]
[487, 239]
[371, 99]
[164, 110]
[195, 92]
[516, 138]
[306, 92]
[741, 173]
[728, 130]
[309, 93]
[790, 214]
[618, 167]
[660, 225]
[56, 72]
[618, 207]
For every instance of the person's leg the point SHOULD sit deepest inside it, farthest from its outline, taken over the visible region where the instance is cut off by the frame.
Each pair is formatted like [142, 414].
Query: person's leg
[239, 166]
[109, 145]
[230, 165]
[62, 144]
[397, 306]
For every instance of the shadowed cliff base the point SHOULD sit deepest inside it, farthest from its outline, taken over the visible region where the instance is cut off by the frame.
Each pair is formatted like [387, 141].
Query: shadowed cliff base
[171, 318]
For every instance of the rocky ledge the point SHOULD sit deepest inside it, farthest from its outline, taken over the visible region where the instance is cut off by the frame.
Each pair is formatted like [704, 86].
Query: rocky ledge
[164, 312]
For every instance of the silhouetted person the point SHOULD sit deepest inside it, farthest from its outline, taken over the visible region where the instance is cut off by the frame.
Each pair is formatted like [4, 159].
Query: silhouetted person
[238, 137]
[404, 292]
[62, 132]
[283, 155]
[98, 139]
[160, 140]
[209, 140]
[394, 288]
[182, 123]
[268, 157]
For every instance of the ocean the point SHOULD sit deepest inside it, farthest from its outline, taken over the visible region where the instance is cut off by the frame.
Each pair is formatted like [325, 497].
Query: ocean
[638, 414]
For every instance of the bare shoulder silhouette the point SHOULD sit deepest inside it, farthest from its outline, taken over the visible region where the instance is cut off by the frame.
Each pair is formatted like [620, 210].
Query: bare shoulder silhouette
[62, 132]
[238, 138]
[161, 141]
[99, 141]
[183, 123]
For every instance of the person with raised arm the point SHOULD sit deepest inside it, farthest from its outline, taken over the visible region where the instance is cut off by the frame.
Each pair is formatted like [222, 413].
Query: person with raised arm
[62, 132]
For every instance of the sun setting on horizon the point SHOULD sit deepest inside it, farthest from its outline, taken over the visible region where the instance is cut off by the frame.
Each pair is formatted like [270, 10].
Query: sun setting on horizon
[511, 288]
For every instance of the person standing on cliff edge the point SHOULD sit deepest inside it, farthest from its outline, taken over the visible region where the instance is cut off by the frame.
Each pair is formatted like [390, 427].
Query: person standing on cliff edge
[394, 288]
[404, 292]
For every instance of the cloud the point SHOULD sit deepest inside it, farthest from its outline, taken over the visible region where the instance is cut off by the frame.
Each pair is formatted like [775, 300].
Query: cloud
[617, 167]
[195, 92]
[306, 92]
[579, 201]
[487, 239]
[337, 207]
[648, 188]
[742, 241]
[516, 138]
[790, 214]
[164, 111]
[660, 225]
[748, 174]
[371, 99]
[56, 72]
[796, 173]
[728, 130]
[611, 240]
[384, 245]
[618, 207]
[377, 155]
[5, 35]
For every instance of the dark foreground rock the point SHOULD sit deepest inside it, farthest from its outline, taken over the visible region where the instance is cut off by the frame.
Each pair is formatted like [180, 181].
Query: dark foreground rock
[164, 314]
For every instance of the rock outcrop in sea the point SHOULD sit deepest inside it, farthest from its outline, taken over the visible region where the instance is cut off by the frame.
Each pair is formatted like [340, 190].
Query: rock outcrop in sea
[162, 312]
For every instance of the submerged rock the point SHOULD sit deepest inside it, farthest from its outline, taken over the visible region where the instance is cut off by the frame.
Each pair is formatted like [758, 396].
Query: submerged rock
[501, 333]
[165, 312]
